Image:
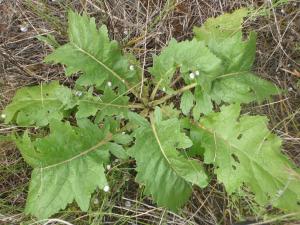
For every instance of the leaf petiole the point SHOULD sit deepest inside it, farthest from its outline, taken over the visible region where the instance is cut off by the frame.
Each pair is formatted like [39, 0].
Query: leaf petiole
[167, 97]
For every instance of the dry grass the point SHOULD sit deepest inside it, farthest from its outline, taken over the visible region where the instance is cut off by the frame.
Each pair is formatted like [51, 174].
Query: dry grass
[143, 28]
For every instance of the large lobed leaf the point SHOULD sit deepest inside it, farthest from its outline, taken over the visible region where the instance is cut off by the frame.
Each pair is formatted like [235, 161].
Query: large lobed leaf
[223, 36]
[90, 51]
[38, 105]
[219, 61]
[244, 151]
[167, 174]
[67, 165]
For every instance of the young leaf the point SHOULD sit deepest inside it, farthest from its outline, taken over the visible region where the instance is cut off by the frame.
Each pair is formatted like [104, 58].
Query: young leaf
[187, 102]
[169, 111]
[117, 150]
[203, 103]
[168, 177]
[91, 52]
[190, 57]
[244, 151]
[67, 165]
[107, 105]
[223, 36]
[38, 105]
[123, 139]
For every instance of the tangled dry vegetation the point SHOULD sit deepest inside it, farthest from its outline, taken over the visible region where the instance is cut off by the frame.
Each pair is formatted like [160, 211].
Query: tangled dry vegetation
[143, 28]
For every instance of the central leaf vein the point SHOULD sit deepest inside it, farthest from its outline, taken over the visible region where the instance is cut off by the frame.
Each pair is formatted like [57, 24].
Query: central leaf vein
[93, 148]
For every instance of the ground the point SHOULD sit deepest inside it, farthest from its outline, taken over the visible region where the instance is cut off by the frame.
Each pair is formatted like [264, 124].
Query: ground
[143, 28]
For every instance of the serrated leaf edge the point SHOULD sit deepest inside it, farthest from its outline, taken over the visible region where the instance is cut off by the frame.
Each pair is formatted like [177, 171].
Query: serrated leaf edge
[152, 121]
[235, 147]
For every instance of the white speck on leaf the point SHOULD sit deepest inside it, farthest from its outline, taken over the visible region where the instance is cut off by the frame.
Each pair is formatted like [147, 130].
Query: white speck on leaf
[279, 193]
[106, 188]
[164, 89]
[3, 116]
[78, 93]
[123, 132]
[109, 84]
[131, 67]
[192, 75]
[108, 167]
[197, 73]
